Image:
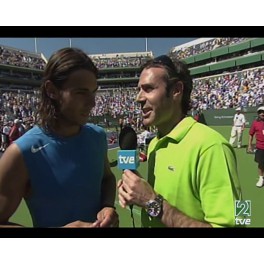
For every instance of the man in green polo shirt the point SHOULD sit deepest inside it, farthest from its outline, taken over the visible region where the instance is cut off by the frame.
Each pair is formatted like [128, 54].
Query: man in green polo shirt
[192, 169]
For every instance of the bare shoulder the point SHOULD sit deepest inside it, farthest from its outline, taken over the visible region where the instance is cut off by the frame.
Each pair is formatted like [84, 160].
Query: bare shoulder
[13, 181]
[12, 164]
[12, 154]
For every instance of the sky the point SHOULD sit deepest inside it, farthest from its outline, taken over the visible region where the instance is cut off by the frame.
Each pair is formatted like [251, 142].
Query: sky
[92, 46]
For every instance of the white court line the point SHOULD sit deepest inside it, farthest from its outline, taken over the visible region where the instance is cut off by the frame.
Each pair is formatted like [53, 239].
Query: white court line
[113, 148]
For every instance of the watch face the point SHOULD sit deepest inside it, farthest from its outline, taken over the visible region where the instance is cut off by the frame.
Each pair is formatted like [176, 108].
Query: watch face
[153, 208]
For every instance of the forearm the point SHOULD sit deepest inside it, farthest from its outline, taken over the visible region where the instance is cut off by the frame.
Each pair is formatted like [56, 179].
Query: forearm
[108, 191]
[250, 141]
[172, 217]
[10, 225]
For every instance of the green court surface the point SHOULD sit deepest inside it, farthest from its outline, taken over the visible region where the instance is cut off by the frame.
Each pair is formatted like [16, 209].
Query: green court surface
[248, 175]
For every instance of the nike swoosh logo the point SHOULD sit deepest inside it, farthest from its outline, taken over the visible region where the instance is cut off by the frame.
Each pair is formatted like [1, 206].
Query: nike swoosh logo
[34, 150]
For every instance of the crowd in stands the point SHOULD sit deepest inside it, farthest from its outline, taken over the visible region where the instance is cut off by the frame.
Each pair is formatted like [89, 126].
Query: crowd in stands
[119, 104]
[17, 109]
[229, 90]
[119, 61]
[185, 52]
[21, 59]
[116, 102]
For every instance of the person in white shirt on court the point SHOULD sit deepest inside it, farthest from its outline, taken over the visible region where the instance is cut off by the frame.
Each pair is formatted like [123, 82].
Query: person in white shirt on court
[143, 136]
[238, 127]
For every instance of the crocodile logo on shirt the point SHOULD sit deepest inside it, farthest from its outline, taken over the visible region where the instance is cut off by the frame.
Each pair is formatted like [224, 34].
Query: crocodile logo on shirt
[171, 168]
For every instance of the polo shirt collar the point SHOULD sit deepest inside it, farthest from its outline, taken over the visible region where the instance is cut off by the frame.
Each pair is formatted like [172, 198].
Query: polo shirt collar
[180, 130]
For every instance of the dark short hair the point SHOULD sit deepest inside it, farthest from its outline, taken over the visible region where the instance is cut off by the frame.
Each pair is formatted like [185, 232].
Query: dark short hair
[58, 69]
[176, 71]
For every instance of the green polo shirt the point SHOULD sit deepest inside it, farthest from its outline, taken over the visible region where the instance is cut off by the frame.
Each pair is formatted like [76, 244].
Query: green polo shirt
[194, 169]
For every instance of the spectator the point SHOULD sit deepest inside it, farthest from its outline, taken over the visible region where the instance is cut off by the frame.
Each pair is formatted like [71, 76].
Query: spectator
[256, 130]
[14, 133]
[5, 136]
[238, 127]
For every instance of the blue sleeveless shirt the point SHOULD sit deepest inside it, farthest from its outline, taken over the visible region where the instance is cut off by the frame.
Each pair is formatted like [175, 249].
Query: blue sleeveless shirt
[65, 175]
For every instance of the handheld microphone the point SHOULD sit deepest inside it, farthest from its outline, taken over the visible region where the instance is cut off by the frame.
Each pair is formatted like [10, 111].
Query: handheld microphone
[128, 157]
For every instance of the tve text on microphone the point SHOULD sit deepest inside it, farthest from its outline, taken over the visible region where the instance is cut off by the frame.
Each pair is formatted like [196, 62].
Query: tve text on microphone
[128, 159]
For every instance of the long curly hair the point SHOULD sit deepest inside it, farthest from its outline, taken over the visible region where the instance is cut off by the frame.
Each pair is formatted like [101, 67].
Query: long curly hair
[58, 69]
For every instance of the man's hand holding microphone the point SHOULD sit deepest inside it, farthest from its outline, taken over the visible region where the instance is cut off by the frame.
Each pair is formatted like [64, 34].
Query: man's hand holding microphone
[132, 188]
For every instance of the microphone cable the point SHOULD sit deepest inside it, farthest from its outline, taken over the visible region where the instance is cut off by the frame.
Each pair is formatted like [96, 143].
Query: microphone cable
[132, 215]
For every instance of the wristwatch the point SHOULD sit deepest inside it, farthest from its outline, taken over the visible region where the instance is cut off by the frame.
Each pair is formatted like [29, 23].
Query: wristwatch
[154, 207]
